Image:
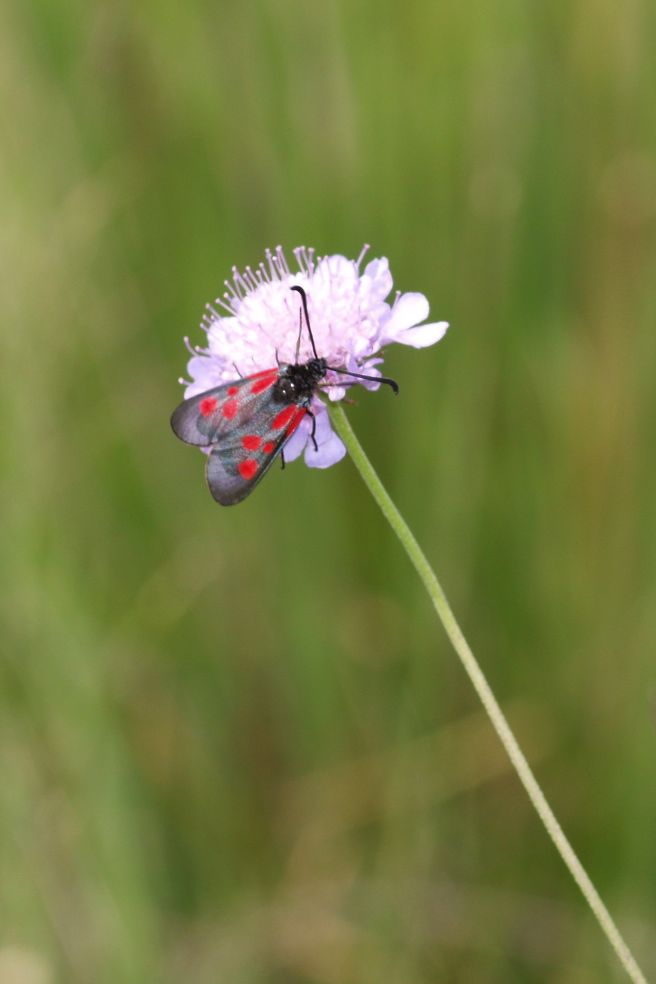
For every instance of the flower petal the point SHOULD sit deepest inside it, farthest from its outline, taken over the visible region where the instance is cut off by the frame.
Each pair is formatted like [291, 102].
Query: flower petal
[335, 393]
[408, 311]
[205, 374]
[423, 335]
[330, 446]
[378, 273]
[329, 453]
[367, 368]
[403, 323]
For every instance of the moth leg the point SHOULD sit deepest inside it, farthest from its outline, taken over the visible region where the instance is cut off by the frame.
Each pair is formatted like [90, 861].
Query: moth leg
[282, 460]
[314, 428]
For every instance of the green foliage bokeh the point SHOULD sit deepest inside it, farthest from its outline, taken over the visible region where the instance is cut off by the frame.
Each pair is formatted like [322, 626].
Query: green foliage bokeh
[235, 745]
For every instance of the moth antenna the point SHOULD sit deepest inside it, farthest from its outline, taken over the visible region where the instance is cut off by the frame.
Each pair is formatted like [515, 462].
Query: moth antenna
[307, 318]
[300, 329]
[372, 379]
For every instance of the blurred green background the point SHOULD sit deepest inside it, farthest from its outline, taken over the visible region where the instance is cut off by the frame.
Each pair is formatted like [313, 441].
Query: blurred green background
[234, 744]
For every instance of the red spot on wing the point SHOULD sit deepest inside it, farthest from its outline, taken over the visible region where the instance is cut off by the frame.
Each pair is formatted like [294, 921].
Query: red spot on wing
[268, 447]
[233, 390]
[248, 468]
[208, 405]
[251, 442]
[229, 409]
[296, 421]
[283, 418]
[264, 382]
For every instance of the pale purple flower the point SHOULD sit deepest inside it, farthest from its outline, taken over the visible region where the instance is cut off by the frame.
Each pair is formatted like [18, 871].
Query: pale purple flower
[257, 321]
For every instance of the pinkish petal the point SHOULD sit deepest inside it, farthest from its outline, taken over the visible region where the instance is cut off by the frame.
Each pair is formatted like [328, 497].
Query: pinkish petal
[423, 335]
[409, 310]
[378, 273]
[336, 393]
[330, 448]
[205, 374]
[329, 453]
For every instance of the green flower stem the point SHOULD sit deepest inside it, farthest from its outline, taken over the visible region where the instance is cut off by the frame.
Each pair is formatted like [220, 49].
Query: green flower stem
[482, 688]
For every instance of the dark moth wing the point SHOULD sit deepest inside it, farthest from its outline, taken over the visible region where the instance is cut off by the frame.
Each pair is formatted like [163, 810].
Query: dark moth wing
[236, 466]
[246, 424]
[208, 417]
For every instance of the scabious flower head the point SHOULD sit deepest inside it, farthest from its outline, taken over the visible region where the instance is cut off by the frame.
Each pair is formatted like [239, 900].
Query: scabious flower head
[256, 323]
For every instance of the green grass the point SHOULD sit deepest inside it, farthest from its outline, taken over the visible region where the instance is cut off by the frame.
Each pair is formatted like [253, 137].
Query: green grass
[234, 744]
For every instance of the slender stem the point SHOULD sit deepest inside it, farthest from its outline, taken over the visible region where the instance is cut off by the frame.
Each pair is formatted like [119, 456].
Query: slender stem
[482, 688]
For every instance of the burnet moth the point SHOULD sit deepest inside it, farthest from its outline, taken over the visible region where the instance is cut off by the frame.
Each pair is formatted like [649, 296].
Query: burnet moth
[247, 423]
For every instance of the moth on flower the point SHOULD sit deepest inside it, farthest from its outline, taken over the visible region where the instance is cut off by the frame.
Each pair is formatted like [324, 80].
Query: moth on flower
[275, 340]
